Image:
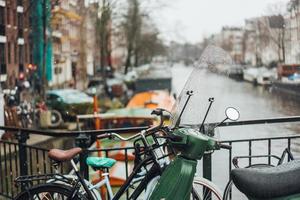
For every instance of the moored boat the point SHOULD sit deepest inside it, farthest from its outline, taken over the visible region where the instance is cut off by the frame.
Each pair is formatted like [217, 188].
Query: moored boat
[289, 85]
[152, 99]
[250, 75]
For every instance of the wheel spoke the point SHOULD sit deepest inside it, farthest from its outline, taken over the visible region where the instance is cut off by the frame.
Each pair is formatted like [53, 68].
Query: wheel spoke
[202, 190]
[48, 192]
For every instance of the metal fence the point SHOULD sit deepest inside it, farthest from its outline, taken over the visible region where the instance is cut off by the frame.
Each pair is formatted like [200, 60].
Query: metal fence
[17, 158]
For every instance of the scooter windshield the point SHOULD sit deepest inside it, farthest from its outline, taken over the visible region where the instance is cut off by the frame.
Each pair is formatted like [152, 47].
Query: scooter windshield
[200, 93]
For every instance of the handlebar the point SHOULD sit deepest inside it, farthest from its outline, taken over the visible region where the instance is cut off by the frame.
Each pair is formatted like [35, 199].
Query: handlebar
[225, 146]
[158, 112]
[115, 135]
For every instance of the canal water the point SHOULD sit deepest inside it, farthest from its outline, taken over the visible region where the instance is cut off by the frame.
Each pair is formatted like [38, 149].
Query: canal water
[253, 102]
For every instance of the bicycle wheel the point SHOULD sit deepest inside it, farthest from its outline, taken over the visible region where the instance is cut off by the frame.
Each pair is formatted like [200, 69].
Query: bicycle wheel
[231, 192]
[204, 189]
[49, 192]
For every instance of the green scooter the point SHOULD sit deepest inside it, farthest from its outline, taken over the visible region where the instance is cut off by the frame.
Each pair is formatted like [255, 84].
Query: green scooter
[177, 180]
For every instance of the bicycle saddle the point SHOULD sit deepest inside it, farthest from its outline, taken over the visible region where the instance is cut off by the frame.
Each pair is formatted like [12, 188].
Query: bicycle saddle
[267, 183]
[61, 155]
[100, 162]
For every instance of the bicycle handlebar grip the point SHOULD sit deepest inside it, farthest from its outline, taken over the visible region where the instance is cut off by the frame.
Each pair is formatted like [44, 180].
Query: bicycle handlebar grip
[175, 138]
[225, 146]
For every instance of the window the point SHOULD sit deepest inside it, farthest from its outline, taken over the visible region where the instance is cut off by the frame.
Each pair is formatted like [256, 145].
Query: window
[7, 15]
[2, 21]
[2, 53]
[2, 59]
[20, 2]
[21, 54]
[20, 20]
[20, 33]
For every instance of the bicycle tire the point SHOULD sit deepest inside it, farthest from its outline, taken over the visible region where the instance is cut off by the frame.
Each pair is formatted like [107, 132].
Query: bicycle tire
[204, 189]
[49, 192]
[228, 189]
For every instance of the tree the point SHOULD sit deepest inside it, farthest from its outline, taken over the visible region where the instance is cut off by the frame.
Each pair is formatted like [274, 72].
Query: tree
[276, 27]
[271, 30]
[103, 32]
[148, 47]
[82, 42]
[132, 30]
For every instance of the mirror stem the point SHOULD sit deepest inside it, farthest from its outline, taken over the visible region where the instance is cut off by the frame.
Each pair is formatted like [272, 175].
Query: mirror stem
[189, 93]
[218, 124]
[211, 100]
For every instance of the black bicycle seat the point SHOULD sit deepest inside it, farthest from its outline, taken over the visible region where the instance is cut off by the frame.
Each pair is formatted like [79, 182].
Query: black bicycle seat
[270, 182]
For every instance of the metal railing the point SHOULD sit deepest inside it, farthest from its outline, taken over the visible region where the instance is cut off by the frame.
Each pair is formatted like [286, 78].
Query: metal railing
[18, 158]
[269, 153]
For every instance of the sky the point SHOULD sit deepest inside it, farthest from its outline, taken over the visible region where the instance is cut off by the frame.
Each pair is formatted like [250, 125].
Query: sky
[191, 20]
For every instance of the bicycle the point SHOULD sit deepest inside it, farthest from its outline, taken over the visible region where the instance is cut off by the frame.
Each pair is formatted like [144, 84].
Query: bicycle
[66, 186]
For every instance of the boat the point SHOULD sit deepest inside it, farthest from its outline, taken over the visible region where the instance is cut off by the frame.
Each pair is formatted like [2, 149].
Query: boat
[250, 75]
[158, 77]
[152, 99]
[128, 117]
[265, 76]
[289, 85]
[235, 72]
[260, 76]
[285, 70]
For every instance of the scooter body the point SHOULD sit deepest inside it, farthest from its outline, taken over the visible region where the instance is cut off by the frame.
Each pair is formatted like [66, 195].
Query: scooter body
[177, 179]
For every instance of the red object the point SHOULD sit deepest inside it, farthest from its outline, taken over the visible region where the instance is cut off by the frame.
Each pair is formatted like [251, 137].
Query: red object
[287, 70]
[21, 76]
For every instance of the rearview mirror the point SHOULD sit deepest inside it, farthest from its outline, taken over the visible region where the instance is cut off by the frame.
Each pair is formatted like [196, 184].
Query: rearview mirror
[232, 114]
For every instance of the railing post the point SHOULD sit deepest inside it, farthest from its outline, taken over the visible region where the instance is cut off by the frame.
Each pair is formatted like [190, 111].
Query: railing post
[22, 139]
[207, 166]
[83, 141]
[207, 170]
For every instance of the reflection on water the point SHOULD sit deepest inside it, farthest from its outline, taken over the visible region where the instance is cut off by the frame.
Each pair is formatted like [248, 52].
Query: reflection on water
[253, 102]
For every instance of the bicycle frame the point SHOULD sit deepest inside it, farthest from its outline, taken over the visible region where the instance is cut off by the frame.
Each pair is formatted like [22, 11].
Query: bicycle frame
[155, 170]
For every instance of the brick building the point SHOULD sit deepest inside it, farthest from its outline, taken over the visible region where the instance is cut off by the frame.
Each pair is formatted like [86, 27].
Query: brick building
[14, 40]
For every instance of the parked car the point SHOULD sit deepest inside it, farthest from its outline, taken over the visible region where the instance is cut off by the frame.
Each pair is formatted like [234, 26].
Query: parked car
[69, 103]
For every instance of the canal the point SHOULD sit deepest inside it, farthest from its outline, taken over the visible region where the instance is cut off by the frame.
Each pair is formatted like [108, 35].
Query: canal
[253, 102]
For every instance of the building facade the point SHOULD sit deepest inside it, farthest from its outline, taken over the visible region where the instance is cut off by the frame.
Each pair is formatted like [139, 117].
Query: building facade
[232, 41]
[14, 40]
[292, 36]
[73, 40]
[262, 38]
